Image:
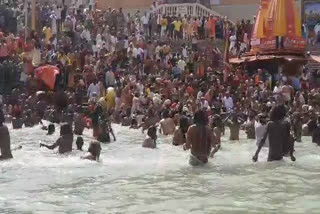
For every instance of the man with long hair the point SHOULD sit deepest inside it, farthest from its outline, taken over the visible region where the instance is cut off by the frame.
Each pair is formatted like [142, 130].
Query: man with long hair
[199, 140]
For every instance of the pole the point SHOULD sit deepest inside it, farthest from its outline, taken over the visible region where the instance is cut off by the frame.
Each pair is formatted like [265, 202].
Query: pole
[25, 19]
[33, 14]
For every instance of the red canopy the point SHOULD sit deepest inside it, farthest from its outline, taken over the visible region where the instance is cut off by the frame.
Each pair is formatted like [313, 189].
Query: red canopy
[47, 74]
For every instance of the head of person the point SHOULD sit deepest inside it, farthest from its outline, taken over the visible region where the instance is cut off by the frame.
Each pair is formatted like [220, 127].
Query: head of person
[184, 124]
[200, 118]
[165, 114]
[51, 129]
[95, 149]
[278, 113]
[152, 132]
[262, 119]
[79, 143]
[215, 121]
[65, 129]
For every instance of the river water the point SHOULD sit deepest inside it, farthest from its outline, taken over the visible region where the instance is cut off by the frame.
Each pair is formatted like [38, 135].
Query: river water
[131, 179]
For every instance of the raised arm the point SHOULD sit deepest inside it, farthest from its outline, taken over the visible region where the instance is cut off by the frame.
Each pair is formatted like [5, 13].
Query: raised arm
[53, 146]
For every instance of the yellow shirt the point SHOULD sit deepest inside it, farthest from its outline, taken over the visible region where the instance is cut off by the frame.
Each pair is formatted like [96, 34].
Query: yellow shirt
[177, 25]
[48, 34]
[164, 22]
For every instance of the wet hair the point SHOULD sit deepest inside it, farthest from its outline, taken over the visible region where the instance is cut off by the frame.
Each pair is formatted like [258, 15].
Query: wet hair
[165, 114]
[51, 129]
[79, 143]
[134, 122]
[184, 124]
[95, 149]
[200, 118]
[152, 131]
[65, 129]
[278, 113]
[2, 119]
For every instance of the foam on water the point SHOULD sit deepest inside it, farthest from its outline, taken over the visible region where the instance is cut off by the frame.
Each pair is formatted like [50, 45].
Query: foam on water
[131, 179]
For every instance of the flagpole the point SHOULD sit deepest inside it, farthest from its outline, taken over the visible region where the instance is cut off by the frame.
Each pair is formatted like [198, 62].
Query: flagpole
[25, 19]
[33, 14]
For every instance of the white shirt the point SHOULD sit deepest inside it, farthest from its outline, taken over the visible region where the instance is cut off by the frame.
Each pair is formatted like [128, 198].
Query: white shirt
[181, 64]
[228, 103]
[93, 89]
[110, 79]
[86, 35]
[36, 57]
[145, 19]
[185, 53]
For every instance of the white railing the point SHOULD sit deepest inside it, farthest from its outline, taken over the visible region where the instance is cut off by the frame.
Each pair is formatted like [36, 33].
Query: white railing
[189, 9]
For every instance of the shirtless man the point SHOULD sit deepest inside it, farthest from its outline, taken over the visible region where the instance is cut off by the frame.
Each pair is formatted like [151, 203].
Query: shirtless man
[167, 125]
[199, 140]
[65, 140]
[234, 126]
[79, 121]
[278, 131]
[5, 147]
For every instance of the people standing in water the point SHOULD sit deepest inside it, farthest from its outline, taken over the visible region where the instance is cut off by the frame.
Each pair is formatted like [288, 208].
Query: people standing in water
[280, 140]
[65, 140]
[199, 140]
[5, 146]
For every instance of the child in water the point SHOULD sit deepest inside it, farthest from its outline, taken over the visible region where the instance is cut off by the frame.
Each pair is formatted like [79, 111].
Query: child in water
[51, 129]
[65, 140]
[150, 141]
[93, 152]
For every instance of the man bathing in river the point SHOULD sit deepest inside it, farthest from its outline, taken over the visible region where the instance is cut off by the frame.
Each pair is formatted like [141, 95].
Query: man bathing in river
[199, 140]
[280, 141]
[4, 140]
[65, 140]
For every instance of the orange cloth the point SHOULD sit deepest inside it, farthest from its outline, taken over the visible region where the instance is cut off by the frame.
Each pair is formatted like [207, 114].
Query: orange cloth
[212, 27]
[47, 74]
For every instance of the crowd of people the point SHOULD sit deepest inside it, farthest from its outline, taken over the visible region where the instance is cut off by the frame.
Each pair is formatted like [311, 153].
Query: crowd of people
[116, 71]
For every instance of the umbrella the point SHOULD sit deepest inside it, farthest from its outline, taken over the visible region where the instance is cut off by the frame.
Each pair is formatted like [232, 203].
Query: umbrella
[47, 74]
[283, 19]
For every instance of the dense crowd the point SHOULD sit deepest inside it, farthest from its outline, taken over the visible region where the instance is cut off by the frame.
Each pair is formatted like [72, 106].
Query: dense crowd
[117, 68]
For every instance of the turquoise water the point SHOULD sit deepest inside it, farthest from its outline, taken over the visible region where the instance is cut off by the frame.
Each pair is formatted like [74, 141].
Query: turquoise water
[131, 179]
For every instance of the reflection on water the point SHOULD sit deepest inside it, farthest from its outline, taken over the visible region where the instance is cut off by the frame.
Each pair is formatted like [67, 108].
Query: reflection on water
[131, 179]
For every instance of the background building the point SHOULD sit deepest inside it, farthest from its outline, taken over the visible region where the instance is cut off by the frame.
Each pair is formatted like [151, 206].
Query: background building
[239, 9]
[233, 9]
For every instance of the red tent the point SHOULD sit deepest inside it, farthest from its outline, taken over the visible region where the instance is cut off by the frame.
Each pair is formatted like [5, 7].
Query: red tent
[47, 74]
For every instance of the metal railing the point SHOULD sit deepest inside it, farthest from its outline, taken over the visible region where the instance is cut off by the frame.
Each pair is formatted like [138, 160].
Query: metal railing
[189, 9]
